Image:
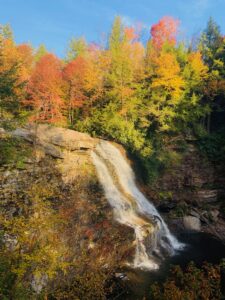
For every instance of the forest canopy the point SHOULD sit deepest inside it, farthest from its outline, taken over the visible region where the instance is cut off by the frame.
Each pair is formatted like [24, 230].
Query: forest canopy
[127, 91]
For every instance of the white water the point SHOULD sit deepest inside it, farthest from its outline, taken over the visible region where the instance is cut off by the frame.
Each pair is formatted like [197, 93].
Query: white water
[131, 208]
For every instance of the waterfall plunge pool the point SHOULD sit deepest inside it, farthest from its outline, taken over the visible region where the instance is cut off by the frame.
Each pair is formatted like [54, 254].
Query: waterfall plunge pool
[200, 248]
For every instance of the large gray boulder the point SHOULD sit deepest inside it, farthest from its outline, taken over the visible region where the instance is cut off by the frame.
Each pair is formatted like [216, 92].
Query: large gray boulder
[55, 140]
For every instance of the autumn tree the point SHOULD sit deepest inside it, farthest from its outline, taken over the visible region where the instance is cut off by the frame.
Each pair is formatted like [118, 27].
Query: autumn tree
[165, 31]
[166, 90]
[11, 82]
[98, 64]
[127, 55]
[45, 94]
[74, 77]
[26, 59]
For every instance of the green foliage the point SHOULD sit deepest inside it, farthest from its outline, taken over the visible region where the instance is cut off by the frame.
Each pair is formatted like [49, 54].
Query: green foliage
[165, 195]
[40, 52]
[77, 47]
[6, 31]
[8, 84]
[116, 36]
[13, 151]
[210, 42]
[213, 146]
[109, 124]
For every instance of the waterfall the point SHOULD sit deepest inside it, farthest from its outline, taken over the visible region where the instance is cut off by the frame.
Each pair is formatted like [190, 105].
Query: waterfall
[152, 237]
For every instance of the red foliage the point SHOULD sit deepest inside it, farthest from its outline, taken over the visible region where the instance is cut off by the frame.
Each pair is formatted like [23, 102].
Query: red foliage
[74, 75]
[164, 31]
[45, 89]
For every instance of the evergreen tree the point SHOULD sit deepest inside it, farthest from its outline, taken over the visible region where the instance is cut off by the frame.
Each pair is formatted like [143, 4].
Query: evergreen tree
[211, 40]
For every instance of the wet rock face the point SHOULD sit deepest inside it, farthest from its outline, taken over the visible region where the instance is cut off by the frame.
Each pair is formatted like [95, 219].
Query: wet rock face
[190, 194]
[55, 140]
[189, 180]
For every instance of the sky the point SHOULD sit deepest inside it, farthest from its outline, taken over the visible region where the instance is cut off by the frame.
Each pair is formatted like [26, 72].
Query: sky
[55, 22]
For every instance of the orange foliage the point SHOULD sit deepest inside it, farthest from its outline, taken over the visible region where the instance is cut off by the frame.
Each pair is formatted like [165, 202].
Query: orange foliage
[98, 64]
[73, 74]
[11, 59]
[9, 55]
[45, 90]
[25, 54]
[130, 34]
[164, 31]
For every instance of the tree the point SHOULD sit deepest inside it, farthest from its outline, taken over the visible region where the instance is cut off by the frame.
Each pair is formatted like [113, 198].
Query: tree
[6, 31]
[26, 59]
[45, 94]
[166, 90]
[77, 47]
[211, 40]
[127, 55]
[164, 31]
[40, 51]
[11, 82]
[212, 49]
[191, 110]
[74, 76]
[98, 62]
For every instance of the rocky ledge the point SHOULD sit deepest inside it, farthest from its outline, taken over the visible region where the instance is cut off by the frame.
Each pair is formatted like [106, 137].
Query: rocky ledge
[55, 140]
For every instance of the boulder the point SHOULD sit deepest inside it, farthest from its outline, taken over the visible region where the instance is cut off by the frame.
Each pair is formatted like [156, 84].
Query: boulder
[192, 223]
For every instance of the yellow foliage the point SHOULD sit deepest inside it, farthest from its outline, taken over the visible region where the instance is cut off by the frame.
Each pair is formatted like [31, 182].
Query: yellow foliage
[198, 70]
[167, 76]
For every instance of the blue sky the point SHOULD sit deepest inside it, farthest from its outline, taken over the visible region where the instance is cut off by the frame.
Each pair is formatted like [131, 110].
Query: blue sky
[54, 22]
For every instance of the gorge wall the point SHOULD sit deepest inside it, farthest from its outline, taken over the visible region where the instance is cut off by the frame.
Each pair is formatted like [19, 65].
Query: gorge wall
[55, 164]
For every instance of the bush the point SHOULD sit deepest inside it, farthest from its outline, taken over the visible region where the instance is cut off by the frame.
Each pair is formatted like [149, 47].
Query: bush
[192, 284]
[13, 151]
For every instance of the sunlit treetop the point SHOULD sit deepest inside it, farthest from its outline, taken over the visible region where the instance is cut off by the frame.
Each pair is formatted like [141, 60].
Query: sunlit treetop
[165, 31]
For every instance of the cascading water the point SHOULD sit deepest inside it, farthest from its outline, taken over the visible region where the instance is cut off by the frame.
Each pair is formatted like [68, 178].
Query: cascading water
[131, 208]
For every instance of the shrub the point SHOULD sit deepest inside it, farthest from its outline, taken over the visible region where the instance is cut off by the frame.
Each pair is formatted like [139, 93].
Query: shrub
[191, 284]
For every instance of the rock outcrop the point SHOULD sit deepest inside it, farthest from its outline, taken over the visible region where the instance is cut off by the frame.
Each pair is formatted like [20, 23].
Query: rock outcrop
[55, 141]
[55, 185]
